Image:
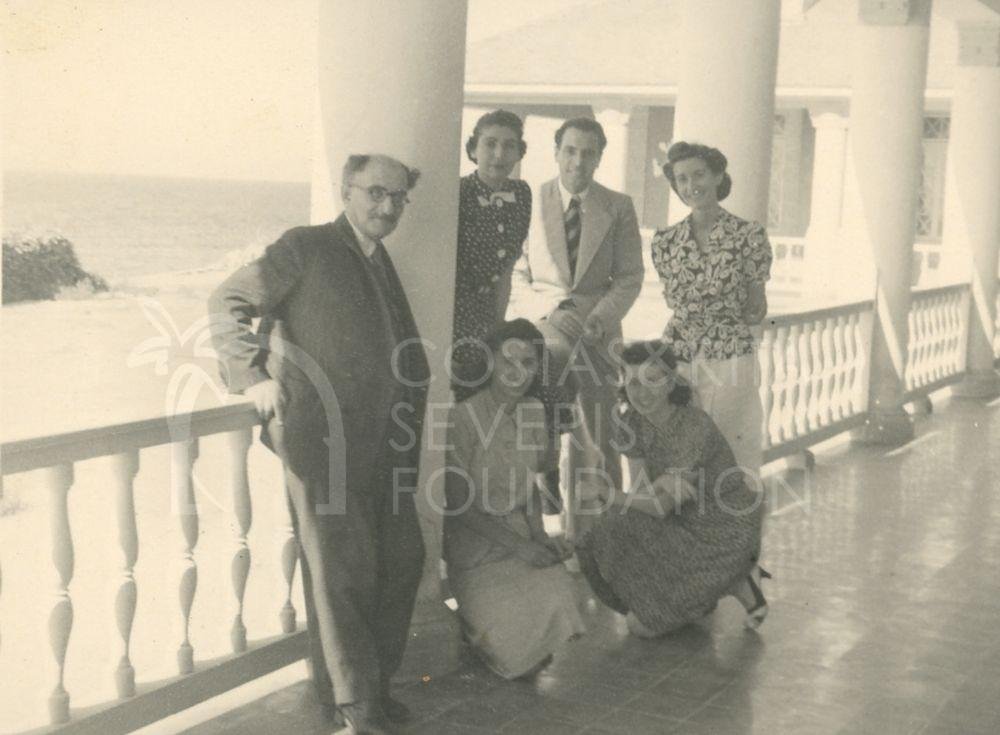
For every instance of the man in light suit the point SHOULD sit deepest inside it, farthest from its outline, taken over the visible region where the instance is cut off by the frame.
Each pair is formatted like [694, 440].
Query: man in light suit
[580, 272]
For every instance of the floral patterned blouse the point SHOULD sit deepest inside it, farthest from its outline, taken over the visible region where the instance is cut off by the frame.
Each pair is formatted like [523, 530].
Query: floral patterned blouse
[706, 290]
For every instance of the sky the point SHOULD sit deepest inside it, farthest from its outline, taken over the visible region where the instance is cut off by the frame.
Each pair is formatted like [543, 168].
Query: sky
[200, 88]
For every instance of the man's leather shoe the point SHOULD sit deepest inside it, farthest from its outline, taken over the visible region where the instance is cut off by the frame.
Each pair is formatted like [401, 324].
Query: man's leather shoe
[364, 718]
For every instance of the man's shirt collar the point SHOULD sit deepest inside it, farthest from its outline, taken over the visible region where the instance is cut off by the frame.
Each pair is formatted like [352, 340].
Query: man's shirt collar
[366, 244]
[566, 195]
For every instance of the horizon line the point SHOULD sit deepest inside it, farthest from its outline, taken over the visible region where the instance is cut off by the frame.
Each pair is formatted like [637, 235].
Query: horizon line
[180, 177]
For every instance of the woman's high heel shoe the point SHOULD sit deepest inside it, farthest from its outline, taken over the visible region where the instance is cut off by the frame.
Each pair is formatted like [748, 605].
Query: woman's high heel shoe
[755, 615]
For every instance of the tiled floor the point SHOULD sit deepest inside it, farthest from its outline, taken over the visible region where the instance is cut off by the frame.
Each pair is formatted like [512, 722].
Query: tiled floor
[885, 618]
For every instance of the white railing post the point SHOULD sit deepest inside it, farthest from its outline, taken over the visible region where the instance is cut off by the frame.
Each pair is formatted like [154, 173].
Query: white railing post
[185, 453]
[964, 316]
[59, 480]
[239, 446]
[774, 423]
[125, 467]
[860, 348]
[288, 553]
[766, 357]
[803, 379]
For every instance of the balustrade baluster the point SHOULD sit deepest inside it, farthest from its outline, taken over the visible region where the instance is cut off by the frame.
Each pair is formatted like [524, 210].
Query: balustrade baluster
[942, 319]
[964, 317]
[912, 346]
[766, 359]
[854, 383]
[780, 385]
[842, 368]
[805, 380]
[829, 375]
[936, 334]
[956, 343]
[288, 551]
[821, 361]
[125, 466]
[185, 453]
[792, 382]
[863, 327]
[59, 480]
[239, 446]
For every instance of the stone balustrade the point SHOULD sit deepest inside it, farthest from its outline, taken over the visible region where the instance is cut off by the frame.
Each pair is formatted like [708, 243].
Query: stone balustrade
[814, 385]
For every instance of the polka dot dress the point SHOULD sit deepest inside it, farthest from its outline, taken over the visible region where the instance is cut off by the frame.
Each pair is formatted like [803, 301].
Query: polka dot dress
[492, 227]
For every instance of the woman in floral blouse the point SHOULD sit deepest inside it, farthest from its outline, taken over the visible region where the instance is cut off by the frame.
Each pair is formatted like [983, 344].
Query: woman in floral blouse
[713, 266]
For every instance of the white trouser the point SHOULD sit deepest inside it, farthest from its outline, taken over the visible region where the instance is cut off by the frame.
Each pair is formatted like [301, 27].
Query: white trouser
[729, 392]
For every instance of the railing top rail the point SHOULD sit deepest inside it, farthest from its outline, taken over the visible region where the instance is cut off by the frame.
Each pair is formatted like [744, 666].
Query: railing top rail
[73, 446]
[802, 317]
[927, 293]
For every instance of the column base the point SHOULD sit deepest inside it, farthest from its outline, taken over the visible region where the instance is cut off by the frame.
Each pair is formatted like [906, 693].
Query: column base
[885, 427]
[980, 384]
[434, 645]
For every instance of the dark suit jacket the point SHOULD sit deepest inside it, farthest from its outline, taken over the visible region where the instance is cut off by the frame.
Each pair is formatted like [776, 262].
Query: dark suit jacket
[328, 338]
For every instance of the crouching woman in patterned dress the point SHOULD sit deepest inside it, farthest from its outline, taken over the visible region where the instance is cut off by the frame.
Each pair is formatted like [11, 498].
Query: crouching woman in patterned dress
[687, 532]
[515, 598]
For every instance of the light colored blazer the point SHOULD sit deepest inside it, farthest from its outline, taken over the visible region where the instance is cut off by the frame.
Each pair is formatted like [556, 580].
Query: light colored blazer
[609, 265]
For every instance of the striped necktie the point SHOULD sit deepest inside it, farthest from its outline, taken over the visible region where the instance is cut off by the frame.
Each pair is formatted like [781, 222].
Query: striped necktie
[572, 222]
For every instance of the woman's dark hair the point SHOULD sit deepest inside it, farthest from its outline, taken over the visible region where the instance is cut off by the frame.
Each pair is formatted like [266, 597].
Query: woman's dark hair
[637, 353]
[485, 362]
[504, 119]
[712, 157]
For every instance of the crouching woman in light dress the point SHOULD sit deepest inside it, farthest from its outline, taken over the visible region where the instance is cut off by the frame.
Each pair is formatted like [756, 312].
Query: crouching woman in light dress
[515, 598]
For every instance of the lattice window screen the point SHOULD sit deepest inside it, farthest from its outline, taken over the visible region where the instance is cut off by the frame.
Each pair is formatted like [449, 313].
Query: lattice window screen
[930, 202]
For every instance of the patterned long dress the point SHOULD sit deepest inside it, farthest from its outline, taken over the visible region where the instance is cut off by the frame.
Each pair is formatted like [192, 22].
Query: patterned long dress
[492, 227]
[670, 571]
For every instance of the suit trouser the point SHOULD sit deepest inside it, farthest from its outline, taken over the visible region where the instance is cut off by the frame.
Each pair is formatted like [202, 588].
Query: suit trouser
[360, 573]
[592, 455]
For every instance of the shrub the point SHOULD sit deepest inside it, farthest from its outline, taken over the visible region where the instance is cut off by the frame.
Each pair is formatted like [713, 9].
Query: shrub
[38, 268]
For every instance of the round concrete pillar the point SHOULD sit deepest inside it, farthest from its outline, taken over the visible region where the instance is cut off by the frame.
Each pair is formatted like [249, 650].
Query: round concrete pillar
[886, 124]
[391, 81]
[725, 96]
[972, 193]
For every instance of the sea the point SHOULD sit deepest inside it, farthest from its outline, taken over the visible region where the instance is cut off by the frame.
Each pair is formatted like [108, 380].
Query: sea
[127, 226]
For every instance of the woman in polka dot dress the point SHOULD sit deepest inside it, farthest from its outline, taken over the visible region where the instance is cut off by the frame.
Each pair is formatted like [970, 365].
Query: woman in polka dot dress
[494, 213]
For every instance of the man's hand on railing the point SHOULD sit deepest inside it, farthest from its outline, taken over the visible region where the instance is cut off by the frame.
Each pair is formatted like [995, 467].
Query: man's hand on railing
[269, 398]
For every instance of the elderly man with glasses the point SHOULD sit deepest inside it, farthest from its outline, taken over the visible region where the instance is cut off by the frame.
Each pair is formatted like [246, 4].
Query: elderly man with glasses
[339, 376]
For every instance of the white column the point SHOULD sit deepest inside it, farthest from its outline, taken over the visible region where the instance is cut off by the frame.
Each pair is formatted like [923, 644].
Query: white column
[887, 109]
[538, 164]
[826, 259]
[725, 98]
[972, 193]
[623, 165]
[391, 81]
